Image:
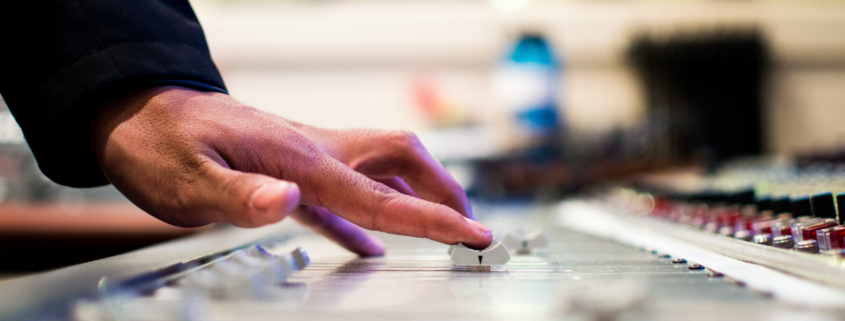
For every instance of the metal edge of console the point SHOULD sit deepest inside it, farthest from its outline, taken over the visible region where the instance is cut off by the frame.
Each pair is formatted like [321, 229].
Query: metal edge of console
[50, 290]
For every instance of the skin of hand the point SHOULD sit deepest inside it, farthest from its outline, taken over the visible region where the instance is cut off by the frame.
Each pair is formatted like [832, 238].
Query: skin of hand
[191, 158]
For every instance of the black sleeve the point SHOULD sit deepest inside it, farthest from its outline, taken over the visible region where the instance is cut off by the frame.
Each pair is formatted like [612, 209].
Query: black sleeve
[58, 58]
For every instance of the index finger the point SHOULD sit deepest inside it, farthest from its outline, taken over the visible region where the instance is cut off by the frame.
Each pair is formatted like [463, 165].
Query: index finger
[385, 155]
[375, 206]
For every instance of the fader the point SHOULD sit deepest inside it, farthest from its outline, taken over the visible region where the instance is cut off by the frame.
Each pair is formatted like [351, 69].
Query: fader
[525, 243]
[480, 261]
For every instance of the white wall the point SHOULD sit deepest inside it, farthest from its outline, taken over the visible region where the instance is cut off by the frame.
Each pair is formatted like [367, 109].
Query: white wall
[351, 63]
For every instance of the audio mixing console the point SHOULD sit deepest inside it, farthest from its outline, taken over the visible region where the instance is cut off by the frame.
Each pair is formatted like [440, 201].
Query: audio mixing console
[600, 262]
[785, 217]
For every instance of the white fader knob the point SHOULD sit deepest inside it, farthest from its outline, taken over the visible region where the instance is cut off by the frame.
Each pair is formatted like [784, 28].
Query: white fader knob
[525, 243]
[280, 267]
[480, 261]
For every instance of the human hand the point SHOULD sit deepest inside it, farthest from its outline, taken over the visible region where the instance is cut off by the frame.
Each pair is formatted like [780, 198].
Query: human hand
[192, 158]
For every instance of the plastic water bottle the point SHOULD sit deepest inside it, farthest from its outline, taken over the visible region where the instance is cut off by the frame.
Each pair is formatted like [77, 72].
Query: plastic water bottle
[526, 86]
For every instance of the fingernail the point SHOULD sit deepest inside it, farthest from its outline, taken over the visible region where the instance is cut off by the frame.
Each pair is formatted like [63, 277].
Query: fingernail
[263, 197]
[480, 227]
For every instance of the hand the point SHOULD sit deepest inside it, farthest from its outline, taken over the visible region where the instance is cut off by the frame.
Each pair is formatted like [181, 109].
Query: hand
[192, 158]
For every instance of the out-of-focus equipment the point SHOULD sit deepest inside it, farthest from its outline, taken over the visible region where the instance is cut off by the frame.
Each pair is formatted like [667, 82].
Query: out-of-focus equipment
[708, 88]
[525, 243]
[781, 216]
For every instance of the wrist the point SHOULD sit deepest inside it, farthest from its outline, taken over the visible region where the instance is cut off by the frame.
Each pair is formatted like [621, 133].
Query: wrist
[124, 105]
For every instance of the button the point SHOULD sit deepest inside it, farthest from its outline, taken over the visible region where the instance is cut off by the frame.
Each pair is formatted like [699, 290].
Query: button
[280, 267]
[296, 260]
[763, 239]
[823, 206]
[824, 237]
[525, 243]
[801, 206]
[301, 258]
[199, 282]
[783, 242]
[238, 281]
[795, 228]
[808, 246]
[495, 254]
[273, 268]
[763, 227]
[836, 235]
[782, 228]
[225, 280]
[808, 232]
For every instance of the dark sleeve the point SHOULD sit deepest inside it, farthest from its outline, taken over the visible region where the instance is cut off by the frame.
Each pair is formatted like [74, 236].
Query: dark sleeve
[58, 58]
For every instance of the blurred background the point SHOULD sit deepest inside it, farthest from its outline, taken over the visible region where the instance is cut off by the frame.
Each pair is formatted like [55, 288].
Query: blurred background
[522, 100]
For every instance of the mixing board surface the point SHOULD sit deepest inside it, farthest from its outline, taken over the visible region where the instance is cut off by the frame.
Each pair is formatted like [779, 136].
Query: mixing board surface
[577, 276]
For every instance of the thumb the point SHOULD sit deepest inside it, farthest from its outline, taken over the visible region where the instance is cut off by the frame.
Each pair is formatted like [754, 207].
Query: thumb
[251, 200]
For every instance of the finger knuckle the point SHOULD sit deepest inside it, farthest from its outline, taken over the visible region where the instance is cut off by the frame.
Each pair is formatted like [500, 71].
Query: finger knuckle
[403, 139]
[383, 196]
[380, 190]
